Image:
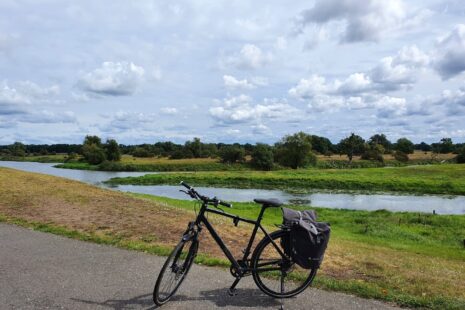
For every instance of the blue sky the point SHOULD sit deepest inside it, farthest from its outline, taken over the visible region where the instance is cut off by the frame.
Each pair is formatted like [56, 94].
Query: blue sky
[231, 71]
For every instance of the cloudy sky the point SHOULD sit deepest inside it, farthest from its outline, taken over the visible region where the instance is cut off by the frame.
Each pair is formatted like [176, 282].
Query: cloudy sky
[245, 71]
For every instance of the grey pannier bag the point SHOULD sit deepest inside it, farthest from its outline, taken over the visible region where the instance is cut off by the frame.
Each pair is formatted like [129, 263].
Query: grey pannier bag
[307, 239]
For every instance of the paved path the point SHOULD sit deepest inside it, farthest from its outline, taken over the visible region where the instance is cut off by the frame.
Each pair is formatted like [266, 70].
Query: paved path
[44, 271]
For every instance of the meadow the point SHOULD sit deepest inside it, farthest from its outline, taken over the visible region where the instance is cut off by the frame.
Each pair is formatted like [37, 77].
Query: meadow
[412, 259]
[424, 179]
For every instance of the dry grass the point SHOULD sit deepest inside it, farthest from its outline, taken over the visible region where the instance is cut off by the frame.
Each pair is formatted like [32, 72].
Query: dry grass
[417, 155]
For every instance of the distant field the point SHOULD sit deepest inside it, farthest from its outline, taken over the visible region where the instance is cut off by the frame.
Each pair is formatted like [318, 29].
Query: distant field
[417, 155]
[411, 259]
[432, 179]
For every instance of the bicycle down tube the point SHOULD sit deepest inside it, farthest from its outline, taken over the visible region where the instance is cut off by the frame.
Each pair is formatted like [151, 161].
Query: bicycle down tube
[236, 219]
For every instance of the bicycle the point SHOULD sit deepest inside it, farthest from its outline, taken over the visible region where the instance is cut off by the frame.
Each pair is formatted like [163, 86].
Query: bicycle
[273, 271]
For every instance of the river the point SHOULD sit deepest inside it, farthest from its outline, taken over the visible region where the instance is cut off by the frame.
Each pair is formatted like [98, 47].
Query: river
[358, 201]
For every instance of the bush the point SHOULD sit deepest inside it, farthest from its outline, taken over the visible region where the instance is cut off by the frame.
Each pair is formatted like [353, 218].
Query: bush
[373, 152]
[262, 157]
[71, 157]
[401, 156]
[141, 152]
[461, 156]
[231, 154]
[294, 151]
[404, 145]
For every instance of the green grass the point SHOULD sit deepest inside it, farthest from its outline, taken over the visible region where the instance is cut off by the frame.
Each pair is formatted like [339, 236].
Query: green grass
[435, 179]
[59, 158]
[416, 232]
[161, 167]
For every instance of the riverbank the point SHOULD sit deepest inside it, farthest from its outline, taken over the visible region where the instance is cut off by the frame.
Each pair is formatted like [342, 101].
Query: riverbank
[380, 254]
[434, 179]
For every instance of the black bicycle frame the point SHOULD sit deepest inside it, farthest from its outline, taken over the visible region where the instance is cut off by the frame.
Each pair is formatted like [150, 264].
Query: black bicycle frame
[201, 219]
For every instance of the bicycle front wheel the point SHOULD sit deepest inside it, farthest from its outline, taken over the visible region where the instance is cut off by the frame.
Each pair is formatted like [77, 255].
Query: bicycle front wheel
[174, 270]
[277, 275]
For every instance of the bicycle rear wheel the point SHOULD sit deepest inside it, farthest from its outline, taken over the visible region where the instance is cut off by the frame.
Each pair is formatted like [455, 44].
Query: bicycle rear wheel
[174, 271]
[275, 274]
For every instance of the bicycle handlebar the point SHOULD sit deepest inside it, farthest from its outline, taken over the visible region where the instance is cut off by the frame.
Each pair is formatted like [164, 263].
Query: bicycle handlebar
[194, 194]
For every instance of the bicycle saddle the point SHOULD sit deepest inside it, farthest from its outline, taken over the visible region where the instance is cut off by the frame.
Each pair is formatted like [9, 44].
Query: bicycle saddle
[269, 202]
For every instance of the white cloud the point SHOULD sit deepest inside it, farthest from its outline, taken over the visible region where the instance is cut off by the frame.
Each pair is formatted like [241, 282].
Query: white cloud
[250, 57]
[230, 82]
[368, 20]
[16, 99]
[241, 109]
[449, 59]
[261, 129]
[122, 121]
[48, 117]
[365, 90]
[113, 79]
[169, 110]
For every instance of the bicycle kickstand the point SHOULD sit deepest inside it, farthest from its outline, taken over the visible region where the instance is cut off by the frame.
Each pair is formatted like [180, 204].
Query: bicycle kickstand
[232, 289]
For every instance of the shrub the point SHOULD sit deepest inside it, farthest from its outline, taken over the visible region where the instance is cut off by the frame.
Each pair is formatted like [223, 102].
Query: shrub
[461, 156]
[93, 154]
[141, 152]
[262, 157]
[373, 152]
[401, 156]
[231, 154]
[294, 150]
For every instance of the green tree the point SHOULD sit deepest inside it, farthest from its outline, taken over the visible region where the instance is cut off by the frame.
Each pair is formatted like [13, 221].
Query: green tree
[381, 139]
[93, 154]
[231, 154]
[194, 147]
[424, 147]
[446, 146]
[351, 146]
[294, 150]
[262, 157]
[404, 145]
[112, 150]
[322, 145]
[92, 150]
[88, 140]
[17, 149]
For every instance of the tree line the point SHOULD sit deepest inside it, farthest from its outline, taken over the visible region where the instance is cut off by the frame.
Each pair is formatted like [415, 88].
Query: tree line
[294, 151]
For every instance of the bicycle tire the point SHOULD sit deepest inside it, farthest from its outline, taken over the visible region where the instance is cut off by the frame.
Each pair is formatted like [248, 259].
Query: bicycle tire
[266, 253]
[171, 267]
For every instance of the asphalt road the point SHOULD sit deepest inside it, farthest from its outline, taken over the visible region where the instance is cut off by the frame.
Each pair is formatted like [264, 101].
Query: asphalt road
[44, 271]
